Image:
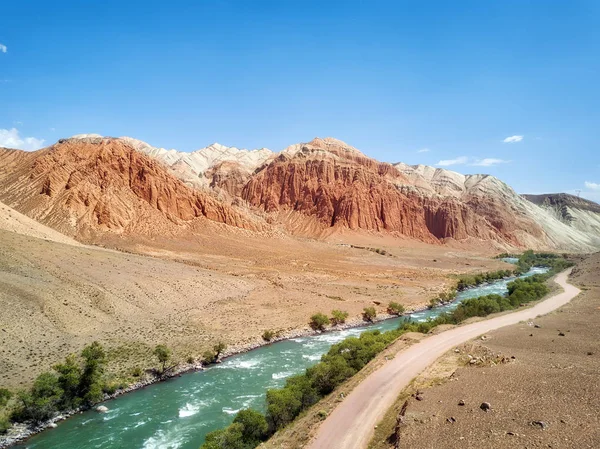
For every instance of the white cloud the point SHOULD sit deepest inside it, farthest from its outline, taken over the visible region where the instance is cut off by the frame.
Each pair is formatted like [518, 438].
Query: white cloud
[489, 162]
[513, 139]
[424, 150]
[458, 161]
[3, 48]
[592, 185]
[10, 138]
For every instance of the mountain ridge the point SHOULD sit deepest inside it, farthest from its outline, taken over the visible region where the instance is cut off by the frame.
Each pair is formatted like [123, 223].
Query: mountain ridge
[322, 186]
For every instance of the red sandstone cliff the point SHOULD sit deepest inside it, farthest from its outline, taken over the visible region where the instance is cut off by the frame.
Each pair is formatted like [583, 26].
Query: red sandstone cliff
[79, 186]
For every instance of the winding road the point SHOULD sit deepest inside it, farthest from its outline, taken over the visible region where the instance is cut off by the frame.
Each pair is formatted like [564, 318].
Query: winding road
[351, 424]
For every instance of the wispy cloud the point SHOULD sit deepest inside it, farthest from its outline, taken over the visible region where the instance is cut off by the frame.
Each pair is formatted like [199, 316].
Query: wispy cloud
[423, 150]
[488, 162]
[513, 139]
[10, 138]
[458, 161]
[592, 185]
[3, 48]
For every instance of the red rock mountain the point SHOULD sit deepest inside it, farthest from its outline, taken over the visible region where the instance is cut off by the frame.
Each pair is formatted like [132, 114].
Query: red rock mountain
[90, 184]
[86, 186]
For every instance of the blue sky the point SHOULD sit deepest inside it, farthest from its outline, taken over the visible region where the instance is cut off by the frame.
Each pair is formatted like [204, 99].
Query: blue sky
[390, 78]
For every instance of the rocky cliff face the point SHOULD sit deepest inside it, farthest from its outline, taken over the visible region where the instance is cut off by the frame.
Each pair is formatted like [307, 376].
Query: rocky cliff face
[90, 183]
[342, 188]
[94, 183]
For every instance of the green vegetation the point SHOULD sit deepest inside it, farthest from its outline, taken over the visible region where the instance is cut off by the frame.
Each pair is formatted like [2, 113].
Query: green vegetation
[75, 383]
[269, 335]
[318, 321]
[212, 355]
[5, 396]
[346, 358]
[338, 317]
[395, 308]
[472, 280]
[369, 314]
[248, 429]
[163, 354]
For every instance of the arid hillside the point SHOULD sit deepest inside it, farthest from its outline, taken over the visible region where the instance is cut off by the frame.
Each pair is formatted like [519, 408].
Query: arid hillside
[93, 187]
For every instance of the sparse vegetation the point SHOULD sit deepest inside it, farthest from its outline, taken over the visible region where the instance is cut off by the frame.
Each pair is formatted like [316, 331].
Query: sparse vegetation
[269, 335]
[395, 308]
[369, 314]
[318, 321]
[346, 358]
[338, 317]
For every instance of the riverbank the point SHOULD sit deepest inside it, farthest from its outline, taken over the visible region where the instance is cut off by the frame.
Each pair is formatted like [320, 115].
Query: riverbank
[351, 424]
[547, 396]
[21, 432]
[235, 350]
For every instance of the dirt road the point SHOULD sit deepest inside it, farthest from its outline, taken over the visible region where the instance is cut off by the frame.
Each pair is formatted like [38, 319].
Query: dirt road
[351, 424]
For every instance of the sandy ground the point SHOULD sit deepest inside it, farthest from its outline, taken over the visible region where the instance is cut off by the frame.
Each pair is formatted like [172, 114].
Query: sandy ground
[553, 379]
[351, 424]
[193, 290]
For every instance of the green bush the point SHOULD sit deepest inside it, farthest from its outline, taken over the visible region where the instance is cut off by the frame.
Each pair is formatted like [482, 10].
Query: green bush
[4, 424]
[369, 314]
[338, 317]
[318, 321]
[395, 308]
[268, 335]
[5, 396]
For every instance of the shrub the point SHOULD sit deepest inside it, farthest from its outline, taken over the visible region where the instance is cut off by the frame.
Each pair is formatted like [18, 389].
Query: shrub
[190, 360]
[338, 317]
[395, 308]
[318, 321]
[4, 424]
[137, 372]
[209, 357]
[369, 314]
[268, 335]
[5, 396]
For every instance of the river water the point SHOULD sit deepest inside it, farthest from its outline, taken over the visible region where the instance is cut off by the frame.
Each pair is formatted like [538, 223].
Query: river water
[178, 413]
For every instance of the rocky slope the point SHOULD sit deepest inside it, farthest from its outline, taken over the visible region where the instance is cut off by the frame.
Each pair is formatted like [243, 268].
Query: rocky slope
[91, 183]
[576, 212]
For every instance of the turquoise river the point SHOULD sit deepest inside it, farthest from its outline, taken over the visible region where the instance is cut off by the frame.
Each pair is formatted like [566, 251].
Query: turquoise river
[178, 413]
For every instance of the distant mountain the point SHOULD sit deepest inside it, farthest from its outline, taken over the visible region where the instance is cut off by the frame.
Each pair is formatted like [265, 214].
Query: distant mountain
[578, 213]
[90, 184]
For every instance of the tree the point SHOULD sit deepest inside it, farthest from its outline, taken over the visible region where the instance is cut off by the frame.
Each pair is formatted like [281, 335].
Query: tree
[69, 379]
[283, 405]
[369, 314]
[90, 384]
[338, 317]
[163, 354]
[318, 321]
[219, 348]
[395, 308]
[230, 437]
[255, 427]
[39, 404]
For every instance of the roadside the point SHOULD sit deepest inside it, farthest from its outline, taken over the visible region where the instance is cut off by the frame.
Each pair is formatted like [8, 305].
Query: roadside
[351, 424]
[541, 378]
